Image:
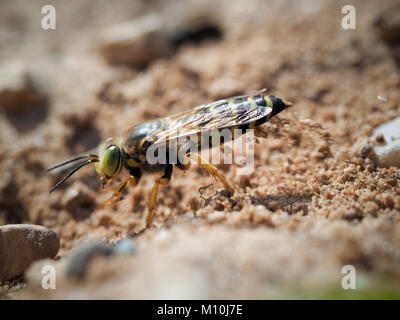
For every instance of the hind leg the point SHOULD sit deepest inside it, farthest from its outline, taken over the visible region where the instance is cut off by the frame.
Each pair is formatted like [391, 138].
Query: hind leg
[163, 180]
[212, 170]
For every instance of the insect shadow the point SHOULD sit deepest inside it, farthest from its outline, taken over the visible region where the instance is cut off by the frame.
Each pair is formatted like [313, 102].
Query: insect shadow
[288, 203]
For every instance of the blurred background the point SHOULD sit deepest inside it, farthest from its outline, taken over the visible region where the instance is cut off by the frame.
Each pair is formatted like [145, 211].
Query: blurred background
[320, 196]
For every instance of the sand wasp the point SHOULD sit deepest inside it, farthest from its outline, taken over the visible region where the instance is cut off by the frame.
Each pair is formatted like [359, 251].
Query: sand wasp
[130, 151]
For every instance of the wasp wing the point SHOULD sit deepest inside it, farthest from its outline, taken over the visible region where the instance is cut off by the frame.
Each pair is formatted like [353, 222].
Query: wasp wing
[225, 113]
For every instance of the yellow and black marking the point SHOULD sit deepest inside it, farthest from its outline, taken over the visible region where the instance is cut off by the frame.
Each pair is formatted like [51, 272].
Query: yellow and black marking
[241, 112]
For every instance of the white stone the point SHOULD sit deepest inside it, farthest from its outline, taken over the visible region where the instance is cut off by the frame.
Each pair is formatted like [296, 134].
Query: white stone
[388, 153]
[135, 42]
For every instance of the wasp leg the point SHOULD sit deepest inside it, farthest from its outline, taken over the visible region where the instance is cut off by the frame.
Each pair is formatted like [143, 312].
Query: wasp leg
[134, 177]
[185, 165]
[104, 188]
[163, 180]
[212, 170]
[115, 196]
[183, 151]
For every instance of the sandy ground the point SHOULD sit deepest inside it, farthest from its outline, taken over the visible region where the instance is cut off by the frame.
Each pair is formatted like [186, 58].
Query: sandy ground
[312, 204]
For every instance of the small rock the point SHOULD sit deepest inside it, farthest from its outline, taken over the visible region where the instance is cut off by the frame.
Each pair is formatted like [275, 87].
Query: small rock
[136, 43]
[82, 256]
[389, 130]
[18, 88]
[125, 246]
[386, 153]
[21, 244]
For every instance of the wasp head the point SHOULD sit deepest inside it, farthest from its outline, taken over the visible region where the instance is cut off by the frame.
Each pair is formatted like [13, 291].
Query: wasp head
[110, 160]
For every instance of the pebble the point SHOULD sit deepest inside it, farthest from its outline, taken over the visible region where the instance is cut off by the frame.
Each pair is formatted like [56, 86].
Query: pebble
[387, 153]
[135, 43]
[22, 244]
[138, 42]
[19, 89]
[79, 261]
[125, 246]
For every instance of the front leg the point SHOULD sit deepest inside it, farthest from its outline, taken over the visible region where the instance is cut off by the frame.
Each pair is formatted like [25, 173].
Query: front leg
[163, 180]
[134, 177]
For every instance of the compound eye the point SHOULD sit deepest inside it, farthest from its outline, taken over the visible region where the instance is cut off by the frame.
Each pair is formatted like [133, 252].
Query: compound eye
[112, 160]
